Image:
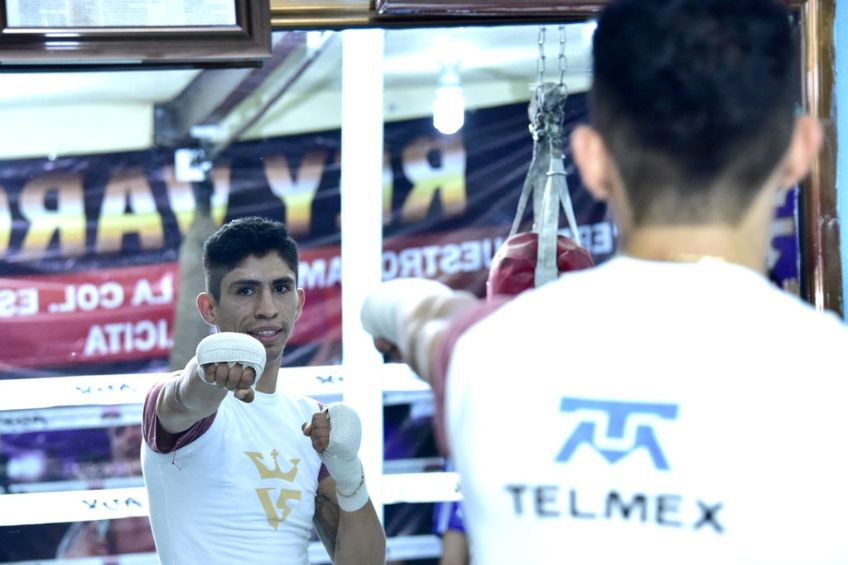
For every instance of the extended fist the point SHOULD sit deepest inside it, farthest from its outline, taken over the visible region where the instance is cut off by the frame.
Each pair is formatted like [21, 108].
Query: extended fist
[230, 360]
[231, 376]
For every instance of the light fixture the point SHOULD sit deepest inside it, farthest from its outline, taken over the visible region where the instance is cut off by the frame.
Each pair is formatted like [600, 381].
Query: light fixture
[449, 103]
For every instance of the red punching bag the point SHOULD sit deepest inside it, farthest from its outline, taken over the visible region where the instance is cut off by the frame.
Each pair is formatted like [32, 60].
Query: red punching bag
[514, 265]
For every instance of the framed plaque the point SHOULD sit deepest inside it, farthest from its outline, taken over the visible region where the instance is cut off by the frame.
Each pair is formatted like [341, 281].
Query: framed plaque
[124, 32]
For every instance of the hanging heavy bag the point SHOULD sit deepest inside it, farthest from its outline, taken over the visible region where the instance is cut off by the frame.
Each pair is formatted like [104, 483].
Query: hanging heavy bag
[514, 266]
[530, 259]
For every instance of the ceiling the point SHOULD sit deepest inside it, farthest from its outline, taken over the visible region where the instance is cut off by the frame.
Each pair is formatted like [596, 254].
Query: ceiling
[55, 113]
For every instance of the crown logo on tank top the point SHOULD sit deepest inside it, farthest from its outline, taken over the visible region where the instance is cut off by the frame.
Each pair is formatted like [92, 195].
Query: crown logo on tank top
[276, 472]
[264, 494]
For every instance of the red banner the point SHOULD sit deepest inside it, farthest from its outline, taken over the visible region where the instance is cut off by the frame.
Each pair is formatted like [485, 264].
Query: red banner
[88, 317]
[88, 278]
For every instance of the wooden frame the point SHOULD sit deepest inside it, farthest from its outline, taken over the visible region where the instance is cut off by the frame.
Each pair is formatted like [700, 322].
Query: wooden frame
[249, 40]
[821, 282]
[324, 14]
[340, 14]
[821, 269]
[501, 8]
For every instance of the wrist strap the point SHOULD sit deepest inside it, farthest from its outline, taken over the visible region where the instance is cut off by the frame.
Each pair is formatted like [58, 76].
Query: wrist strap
[356, 500]
[353, 500]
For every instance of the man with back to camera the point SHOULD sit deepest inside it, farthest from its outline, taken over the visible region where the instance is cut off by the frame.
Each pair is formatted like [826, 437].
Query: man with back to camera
[670, 406]
[243, 477]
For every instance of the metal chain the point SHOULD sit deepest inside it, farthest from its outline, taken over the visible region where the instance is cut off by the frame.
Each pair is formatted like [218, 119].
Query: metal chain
[540, 63]
[563, 62]
[540, 70]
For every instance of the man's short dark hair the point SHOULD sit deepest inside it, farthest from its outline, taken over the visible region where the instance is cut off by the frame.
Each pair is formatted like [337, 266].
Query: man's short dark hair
[239, 239]
[695, 100]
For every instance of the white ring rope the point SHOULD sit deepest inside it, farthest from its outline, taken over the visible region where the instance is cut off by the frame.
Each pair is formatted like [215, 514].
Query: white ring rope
[111, 390]
[397, 548]
[97, 401]
[114, 503]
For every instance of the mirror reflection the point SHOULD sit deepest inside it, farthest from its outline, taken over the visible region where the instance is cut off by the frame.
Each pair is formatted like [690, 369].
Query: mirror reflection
[111, 181]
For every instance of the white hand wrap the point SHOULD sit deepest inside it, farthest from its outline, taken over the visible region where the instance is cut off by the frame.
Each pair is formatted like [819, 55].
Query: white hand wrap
[384, 308]
[341, 457]
[231, 348]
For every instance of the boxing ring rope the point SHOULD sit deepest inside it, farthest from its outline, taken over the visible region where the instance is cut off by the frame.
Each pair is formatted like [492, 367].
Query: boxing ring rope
[115, 503]
[402, 548]
[323, 382]
[97, 401]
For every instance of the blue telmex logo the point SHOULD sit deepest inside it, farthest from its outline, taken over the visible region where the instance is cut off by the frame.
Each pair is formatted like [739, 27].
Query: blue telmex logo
[617, 414]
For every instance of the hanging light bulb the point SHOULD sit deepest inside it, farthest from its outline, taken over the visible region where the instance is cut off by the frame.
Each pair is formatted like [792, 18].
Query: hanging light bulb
[449, 103]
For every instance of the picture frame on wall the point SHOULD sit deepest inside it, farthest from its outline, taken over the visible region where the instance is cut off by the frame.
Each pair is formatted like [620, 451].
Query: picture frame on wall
[44, 33]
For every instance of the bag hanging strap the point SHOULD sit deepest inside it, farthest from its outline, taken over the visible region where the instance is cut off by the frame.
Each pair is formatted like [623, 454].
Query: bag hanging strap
[546, 182]
[555, 193]
[546, 179]
[537, 171]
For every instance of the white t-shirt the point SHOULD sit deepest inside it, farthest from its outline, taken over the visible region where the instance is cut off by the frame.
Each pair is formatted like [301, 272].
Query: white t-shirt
[645, 412]
[241, 493]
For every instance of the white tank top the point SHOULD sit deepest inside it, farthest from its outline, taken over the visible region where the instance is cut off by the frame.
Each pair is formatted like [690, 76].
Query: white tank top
[653, 413]
[243, 492]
